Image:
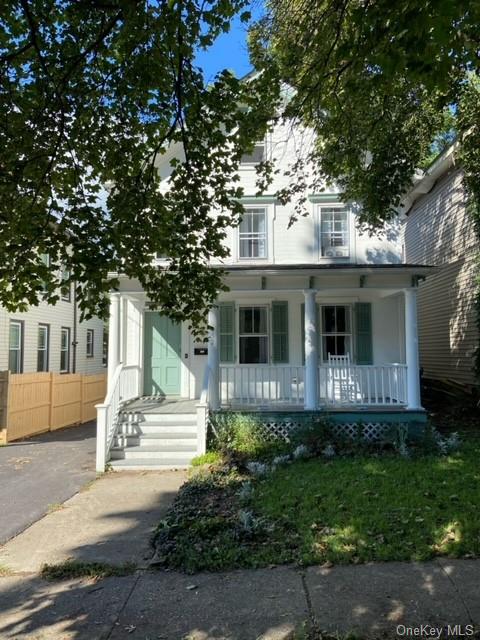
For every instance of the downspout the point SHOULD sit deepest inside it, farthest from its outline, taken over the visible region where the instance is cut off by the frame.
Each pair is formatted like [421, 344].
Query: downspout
[74, 341]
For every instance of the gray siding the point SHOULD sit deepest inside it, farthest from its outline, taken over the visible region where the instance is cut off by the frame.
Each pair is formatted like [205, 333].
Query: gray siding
[439, 231]
[58, 316]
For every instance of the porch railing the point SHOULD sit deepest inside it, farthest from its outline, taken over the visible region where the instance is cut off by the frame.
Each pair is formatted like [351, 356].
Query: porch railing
[123, 387]
[261, 385]
[338, 386]
[371, 385]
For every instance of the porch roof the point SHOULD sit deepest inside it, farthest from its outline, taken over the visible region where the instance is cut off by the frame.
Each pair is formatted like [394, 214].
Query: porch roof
[312, 269]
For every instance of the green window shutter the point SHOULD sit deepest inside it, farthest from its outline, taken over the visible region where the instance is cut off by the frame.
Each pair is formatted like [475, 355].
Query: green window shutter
[227, 332]
[363, 329]
[280, 332]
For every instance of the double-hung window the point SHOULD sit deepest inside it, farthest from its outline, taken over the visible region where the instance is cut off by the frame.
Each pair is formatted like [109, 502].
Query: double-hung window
[252, 233]
[105, 347]
[15, 347]
[334, 236]
[253, 335]
[64, 350]
[90, 343]
[336, 330]
[256, 155]
[42, 347]
[65, 289]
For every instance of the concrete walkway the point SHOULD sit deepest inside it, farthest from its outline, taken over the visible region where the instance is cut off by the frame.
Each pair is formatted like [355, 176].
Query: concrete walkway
[112, 521]
[43, 471]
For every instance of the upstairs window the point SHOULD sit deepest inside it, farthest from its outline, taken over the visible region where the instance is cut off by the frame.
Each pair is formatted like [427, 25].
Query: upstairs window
[334, 236]
[65, 289]
[253, 335]
[253, 233]
[256, 156]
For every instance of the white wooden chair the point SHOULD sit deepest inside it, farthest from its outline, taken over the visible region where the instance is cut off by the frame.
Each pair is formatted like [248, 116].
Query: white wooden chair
[342, 384]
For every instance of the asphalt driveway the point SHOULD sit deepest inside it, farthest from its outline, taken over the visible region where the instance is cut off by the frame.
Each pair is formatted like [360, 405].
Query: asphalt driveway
[40, 473]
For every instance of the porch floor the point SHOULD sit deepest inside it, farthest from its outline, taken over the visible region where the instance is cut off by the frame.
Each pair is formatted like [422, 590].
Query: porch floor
[162, 405]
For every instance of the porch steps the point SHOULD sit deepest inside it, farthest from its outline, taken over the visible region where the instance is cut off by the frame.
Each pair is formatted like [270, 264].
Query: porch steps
[154, 441]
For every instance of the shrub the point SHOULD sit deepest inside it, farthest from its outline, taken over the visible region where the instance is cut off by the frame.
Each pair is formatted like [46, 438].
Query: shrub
[211, 457]
[244, 435]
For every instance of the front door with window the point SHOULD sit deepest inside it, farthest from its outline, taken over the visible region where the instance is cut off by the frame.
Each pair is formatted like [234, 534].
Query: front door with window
[162, 361]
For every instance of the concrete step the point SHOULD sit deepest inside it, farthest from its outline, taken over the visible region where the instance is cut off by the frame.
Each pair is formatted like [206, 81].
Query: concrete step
[139, 464]
[168, 438]
[183, 451]
[167, 418]
[151, 428]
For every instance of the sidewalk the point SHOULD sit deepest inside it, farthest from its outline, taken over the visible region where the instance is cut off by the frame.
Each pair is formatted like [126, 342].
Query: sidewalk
[112, 522]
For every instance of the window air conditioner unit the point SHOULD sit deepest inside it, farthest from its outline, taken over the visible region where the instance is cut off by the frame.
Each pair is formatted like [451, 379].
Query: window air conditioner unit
[336, 252]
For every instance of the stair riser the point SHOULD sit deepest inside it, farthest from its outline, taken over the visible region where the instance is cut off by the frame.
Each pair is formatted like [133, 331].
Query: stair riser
[132, 466]
[135, 441]
[166, 418]
[125, 454]
[146, 429]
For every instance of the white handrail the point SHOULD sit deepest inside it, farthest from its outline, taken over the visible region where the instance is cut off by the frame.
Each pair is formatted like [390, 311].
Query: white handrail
[123, 387]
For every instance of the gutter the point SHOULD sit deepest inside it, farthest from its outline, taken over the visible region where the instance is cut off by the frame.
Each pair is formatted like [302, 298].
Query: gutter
[424, 181]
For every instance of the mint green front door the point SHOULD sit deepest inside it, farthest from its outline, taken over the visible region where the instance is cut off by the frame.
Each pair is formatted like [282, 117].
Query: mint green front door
[162, 347]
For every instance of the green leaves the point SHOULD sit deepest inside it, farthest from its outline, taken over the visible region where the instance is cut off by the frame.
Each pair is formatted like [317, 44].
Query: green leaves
[374, 82]
[98, 103]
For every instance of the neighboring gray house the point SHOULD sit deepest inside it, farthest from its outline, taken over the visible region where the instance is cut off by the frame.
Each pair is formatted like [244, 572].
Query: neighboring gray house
[439, 231]
[51, 338]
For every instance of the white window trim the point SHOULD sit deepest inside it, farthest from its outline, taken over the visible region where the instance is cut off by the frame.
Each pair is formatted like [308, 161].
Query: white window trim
[350, 334]
[46, 327]
[19, 324]
[67, 329]
[92, 343]
[265, 209]
[252, 165]
[245, 335]
[66, 297]
[350, 231]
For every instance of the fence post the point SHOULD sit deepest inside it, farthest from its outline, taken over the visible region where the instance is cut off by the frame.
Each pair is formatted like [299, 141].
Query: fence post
[101, 437]
[4, 407]
[82, 379]
[202, 416]
[50, 408]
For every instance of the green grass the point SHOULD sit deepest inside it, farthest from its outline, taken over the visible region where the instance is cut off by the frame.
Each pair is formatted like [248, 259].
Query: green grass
[347, 510]
[76, 569]
[362, 509]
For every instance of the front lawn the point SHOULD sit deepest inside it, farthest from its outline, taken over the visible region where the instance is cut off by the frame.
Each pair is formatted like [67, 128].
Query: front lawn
[343, 510]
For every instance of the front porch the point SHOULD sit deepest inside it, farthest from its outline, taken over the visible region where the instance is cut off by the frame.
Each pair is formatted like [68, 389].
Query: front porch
[344, 344]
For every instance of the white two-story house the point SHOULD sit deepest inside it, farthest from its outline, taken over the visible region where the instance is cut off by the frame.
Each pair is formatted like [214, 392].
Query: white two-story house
[318, 319]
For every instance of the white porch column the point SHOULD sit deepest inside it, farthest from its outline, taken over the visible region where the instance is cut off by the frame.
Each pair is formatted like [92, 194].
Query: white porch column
[311, 351]
[113, 336]
[213, 357]
[411, 350]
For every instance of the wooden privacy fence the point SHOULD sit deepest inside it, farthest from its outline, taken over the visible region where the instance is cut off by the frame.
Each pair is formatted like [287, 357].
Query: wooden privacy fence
[31, 403]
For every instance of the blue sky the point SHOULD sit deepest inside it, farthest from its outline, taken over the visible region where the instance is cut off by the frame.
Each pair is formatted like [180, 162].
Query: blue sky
[229, 50]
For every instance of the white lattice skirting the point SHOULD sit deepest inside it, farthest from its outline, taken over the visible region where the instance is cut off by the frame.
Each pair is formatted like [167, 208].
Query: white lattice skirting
[367, 431]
